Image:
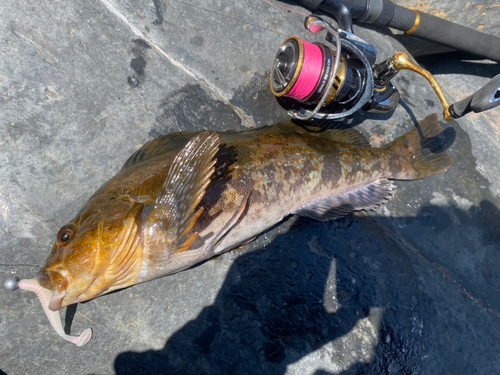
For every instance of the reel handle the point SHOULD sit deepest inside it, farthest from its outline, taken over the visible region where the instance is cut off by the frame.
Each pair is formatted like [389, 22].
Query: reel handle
[482, 100]
[485, 98]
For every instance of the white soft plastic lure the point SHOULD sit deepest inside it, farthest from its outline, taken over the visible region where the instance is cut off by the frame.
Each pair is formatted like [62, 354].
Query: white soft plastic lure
[44, 296]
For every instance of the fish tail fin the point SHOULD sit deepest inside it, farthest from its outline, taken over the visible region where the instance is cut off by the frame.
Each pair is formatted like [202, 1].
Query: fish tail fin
[422, 151]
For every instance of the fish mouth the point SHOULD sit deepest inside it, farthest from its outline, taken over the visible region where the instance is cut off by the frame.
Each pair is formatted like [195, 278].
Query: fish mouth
[43, 279]
[56, 282]
[56, 302]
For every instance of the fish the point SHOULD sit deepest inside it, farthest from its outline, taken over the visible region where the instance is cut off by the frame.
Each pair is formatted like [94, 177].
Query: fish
[185, 197]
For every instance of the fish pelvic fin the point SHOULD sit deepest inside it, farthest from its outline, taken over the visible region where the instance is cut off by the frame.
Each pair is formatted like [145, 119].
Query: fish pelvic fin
[175, 212]
[365, 197]
[421, 152]
[210, 249]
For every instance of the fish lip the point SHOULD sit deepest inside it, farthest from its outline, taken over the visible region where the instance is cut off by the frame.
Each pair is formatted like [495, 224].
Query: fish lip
[58, 282]
[60, 299]
[56, 302]
[43, 279]
[81, 297]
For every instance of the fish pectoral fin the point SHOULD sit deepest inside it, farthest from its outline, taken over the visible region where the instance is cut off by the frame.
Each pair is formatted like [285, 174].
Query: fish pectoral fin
[229, 225]
[185, 241]
[366, 197]
[174, 213]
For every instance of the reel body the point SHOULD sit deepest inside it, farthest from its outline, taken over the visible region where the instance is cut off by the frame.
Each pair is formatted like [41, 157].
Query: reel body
[328, 81]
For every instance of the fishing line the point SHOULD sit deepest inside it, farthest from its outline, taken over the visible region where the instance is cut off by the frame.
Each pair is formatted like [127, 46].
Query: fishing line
[15, 265]
[310, 71]
[281, 6]
[20, 265]
[304, 71]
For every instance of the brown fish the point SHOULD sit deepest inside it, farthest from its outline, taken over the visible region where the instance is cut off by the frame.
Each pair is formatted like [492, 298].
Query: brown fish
[185, 197]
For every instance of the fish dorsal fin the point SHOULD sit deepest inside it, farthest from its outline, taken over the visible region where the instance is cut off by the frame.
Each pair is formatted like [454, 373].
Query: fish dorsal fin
[350, 136]
[174, 215]
[364, 198]
[159, 146]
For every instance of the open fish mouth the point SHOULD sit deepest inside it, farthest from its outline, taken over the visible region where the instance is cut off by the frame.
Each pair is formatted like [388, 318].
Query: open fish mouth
[43, 278]
[58, 283]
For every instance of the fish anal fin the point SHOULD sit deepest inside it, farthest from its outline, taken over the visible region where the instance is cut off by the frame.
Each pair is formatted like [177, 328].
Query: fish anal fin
[174, 213]
[363, 198]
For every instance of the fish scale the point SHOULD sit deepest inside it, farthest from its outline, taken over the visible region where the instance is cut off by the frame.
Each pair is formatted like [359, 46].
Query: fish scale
[185, 197]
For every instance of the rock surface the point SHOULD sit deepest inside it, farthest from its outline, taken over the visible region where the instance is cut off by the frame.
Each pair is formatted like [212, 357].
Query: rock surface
[410, 288]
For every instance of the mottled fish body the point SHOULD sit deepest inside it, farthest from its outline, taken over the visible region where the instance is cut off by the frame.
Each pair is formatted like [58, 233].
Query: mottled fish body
[185, 197]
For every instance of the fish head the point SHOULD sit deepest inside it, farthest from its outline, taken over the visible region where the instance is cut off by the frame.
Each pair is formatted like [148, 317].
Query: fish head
[97, 252]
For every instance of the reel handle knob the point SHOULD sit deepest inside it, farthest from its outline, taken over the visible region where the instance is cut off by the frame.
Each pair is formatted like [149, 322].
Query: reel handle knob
[485, 98]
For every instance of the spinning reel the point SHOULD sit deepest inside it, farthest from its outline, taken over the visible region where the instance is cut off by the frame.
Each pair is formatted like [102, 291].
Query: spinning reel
[333, 80]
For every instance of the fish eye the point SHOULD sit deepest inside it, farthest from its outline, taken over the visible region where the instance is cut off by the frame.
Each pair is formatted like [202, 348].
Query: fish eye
[65, 235]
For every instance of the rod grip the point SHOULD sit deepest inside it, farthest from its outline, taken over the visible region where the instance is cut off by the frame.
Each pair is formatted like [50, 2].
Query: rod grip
[485, 98]
[456, 36]
[421, 25]
[434, 29]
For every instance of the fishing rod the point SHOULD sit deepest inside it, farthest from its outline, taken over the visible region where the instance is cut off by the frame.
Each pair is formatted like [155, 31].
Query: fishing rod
[314, 81]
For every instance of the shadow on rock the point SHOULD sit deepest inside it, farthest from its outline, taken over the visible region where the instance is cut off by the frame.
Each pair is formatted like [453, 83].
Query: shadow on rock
[347, 296]
[271, 310]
